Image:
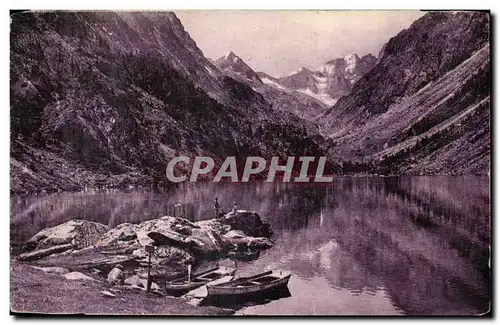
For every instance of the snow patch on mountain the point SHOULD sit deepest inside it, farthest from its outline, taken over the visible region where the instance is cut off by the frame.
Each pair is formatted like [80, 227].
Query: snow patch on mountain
[210, 71]
[332, 80]
[321, 84]
[323, 96]
[320, 79]
[328, 68]
[351, 61]
[295, 72]
[273, 84]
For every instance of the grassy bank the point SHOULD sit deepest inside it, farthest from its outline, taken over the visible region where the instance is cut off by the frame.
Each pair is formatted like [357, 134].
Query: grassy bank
[34, 291]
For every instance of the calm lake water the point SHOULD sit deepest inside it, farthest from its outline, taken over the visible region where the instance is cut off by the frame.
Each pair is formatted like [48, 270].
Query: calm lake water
[402, 245]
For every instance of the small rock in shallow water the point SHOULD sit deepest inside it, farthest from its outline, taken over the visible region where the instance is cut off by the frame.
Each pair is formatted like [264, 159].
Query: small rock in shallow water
[77, 276]
[108, 294]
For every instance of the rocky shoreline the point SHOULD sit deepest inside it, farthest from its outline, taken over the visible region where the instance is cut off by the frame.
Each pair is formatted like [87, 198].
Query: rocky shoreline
[115, 260]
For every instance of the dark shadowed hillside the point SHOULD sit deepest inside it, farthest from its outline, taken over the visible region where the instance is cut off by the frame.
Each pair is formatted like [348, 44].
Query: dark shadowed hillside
[425, 107]
[106, 99]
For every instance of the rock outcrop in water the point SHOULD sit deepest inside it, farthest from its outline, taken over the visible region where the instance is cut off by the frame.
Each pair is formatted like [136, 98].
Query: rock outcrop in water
[77, 233]
[178, 243]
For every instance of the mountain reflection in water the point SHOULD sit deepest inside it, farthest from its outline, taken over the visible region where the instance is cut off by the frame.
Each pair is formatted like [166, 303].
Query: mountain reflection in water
[401, 245]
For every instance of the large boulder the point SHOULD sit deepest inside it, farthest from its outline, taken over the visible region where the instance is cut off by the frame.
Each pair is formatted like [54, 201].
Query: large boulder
[122, 233]
[167, 234]
[248, 222]
[215, 225]
[206, 241]
[80, 233]
[169, 261]
[177, 241]
[181, 233]
[244, 243]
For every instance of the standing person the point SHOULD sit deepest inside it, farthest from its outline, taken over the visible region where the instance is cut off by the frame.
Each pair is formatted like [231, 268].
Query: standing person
[235, 209]
[216, 207]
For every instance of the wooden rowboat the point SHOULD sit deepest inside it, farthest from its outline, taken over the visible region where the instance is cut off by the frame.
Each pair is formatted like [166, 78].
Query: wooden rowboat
[250, 286]
[182, 285]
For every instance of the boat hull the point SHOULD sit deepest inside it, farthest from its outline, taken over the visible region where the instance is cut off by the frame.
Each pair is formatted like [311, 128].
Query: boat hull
[180, 289]
[181, 286]
[238, 301]
[257, 289]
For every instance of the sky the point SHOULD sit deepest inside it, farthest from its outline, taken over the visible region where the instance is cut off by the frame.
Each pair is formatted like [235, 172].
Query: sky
[280, 42]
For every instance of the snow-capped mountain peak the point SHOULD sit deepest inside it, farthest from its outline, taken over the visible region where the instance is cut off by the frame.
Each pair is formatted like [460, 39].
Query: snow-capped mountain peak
[332, 80]
[351, 62]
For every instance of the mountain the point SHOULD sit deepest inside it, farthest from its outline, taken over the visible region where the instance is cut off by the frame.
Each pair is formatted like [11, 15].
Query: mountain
[333, 80]
[280, 97]
[233, 63]
[106, 99]
[425, 107]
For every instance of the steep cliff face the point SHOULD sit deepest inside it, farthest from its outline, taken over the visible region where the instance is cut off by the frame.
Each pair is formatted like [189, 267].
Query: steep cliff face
[425, 107]
[106, 99]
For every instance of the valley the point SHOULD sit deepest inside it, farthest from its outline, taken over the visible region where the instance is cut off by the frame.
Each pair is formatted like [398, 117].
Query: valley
[102, 99]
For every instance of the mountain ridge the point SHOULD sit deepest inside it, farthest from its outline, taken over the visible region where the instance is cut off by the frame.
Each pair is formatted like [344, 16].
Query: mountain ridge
[103, 99]
[281, 98]
[332, 80]
[429, 75]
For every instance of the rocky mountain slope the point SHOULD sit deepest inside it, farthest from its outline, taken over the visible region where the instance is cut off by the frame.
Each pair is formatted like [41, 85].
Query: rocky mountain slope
[425, 107]
[333, 80]
[103, 99]
[107, 98]
[280, 97]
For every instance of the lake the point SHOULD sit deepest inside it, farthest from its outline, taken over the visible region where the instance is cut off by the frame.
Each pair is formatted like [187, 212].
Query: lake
[360, 245]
